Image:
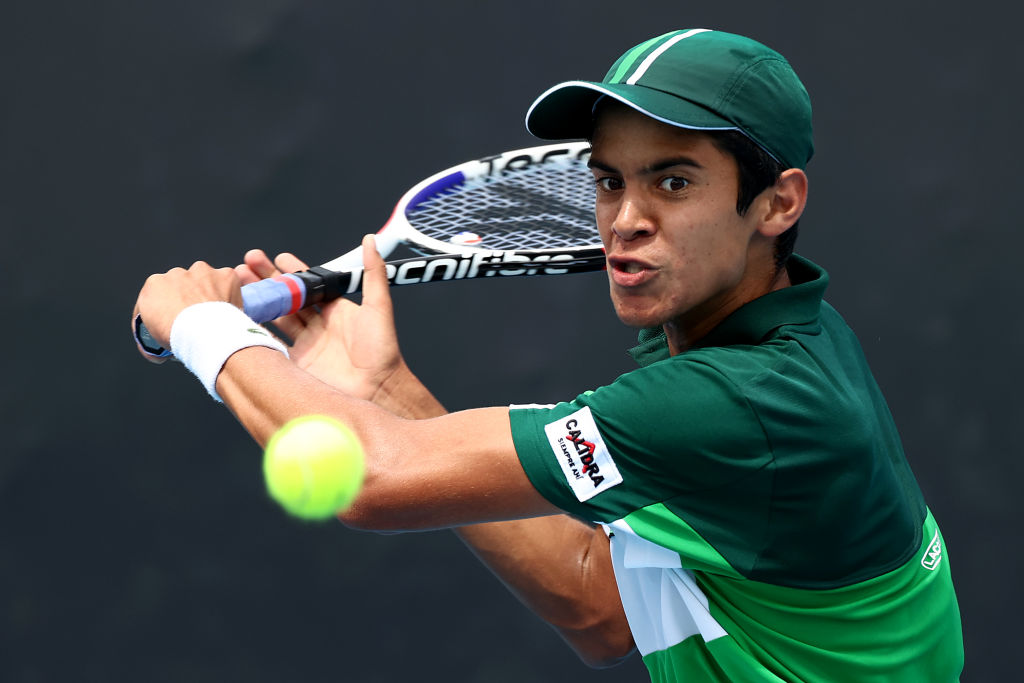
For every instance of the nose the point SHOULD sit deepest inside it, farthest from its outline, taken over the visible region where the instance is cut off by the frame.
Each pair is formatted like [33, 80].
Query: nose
[632, 220]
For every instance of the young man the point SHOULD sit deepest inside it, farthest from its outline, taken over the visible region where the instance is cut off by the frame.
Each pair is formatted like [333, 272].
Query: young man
[751, 514]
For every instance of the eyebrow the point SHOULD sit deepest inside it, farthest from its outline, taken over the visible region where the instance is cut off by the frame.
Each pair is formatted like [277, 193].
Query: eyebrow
[655, 167]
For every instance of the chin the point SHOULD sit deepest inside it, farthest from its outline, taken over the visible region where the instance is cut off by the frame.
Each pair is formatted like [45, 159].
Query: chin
[640, 308]
[633, 317]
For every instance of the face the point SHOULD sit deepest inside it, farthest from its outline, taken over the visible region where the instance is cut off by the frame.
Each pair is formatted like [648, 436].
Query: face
[679, 254]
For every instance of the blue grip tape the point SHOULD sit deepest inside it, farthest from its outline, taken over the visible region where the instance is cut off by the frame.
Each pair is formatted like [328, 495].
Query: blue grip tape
[266, 300]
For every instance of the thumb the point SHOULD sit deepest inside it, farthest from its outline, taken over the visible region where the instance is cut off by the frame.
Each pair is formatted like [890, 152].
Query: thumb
[376, 289]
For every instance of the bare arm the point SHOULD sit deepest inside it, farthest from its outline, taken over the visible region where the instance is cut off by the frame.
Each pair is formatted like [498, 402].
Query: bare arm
[450, 471]
[560, 568]
[434, 470]
[546, 562]
[420, 474]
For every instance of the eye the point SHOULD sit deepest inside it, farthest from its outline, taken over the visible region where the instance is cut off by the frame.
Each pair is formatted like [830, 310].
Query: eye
[673, 184]
[608, 183]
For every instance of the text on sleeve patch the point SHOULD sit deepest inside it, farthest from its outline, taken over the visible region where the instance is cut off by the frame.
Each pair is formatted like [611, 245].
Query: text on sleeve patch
[582, 454]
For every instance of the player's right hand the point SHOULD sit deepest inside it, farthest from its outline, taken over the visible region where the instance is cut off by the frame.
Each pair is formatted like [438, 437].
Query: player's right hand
[165, 295]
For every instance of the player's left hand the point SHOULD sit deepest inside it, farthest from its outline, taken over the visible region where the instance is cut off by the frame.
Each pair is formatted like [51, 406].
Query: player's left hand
[165, 295]
[352, 347]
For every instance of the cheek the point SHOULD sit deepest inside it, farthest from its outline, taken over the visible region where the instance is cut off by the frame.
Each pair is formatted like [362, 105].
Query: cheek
[708, 252]
[604, 214]
[724, 235]
[604, 219]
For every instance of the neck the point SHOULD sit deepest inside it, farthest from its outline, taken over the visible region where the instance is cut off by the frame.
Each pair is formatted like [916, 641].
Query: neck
[685, 332]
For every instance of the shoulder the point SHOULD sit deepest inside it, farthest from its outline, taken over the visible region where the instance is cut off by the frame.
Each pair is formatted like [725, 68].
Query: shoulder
[712, 373]
[679, 418]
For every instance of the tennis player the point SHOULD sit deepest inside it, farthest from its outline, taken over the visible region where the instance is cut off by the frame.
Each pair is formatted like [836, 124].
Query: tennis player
[750, 512]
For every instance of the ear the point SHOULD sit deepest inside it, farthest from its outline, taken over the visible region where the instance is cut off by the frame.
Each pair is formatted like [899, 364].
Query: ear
[785, 202]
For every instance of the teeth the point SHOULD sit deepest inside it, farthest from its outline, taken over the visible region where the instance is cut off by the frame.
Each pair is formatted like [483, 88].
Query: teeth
[632, 268]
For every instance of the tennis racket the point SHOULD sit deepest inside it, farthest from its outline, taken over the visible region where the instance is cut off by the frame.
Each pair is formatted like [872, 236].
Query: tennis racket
[525, 212]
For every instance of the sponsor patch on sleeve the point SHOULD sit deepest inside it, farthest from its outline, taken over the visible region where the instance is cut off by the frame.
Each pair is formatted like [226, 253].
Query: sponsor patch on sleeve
[580, 450]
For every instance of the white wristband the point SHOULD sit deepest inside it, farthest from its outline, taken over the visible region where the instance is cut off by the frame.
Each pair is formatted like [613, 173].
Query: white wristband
[204, 336]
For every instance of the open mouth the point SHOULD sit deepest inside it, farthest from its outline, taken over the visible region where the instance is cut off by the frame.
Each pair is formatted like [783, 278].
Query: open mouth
[630, 273]
[630, 267]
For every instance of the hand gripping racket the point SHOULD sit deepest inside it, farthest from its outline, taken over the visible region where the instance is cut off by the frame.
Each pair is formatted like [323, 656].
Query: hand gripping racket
[525, 212]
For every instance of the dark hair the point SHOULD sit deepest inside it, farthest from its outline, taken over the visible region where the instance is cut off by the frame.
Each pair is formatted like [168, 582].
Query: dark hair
[758, 171]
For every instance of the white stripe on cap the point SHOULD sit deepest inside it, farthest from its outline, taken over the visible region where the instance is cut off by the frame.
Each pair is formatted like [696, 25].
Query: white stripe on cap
[651, 58]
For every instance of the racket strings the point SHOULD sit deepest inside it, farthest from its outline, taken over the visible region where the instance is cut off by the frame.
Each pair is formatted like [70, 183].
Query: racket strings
[543, 206]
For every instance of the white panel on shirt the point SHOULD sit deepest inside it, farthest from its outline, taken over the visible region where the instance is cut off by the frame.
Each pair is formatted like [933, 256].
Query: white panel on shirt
[663, 604]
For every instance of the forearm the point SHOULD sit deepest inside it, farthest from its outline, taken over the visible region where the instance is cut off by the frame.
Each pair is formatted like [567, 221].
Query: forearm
[403, 394]
[419, 474]
[265, 394]
[560, 568]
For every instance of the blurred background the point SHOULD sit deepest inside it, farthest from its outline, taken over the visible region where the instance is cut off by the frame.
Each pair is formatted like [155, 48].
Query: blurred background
[136, 540]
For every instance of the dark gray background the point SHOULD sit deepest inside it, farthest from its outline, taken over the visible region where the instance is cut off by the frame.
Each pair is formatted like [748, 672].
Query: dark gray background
[136, 542]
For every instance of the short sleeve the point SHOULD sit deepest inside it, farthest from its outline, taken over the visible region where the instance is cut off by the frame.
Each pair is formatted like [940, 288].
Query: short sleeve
[674, 428]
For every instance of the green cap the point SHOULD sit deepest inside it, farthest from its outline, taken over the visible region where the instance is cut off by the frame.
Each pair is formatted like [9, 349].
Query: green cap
[694, 78]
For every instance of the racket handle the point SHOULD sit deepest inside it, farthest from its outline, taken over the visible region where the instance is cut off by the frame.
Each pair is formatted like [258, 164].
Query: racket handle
[274, 297]
[270, 299]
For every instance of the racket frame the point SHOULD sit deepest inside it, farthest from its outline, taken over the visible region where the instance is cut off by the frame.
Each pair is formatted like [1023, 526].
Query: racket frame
[440, 260]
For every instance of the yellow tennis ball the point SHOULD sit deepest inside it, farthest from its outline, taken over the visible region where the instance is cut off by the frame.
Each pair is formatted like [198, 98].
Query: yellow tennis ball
[313, 467]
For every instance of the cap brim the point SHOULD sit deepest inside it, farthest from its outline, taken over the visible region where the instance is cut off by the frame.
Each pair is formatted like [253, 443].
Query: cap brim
[566, 111]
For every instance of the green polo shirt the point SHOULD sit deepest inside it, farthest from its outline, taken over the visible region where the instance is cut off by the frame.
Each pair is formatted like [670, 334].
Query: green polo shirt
[765, 524]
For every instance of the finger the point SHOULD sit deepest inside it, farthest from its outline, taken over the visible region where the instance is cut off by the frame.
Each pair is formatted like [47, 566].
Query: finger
[260, 264]
[246, 274]
[229, 286]
[376, 290]
[289, 263]
[196, 267]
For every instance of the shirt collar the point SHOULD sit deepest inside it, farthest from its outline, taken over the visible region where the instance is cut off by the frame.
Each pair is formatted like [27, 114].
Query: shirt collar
[752, 323]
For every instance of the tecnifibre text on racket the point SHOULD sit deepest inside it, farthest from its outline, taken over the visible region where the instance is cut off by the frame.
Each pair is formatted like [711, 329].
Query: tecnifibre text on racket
[525, 212]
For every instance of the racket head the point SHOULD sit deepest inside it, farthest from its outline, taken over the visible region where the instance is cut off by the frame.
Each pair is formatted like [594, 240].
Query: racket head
[538, 199]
